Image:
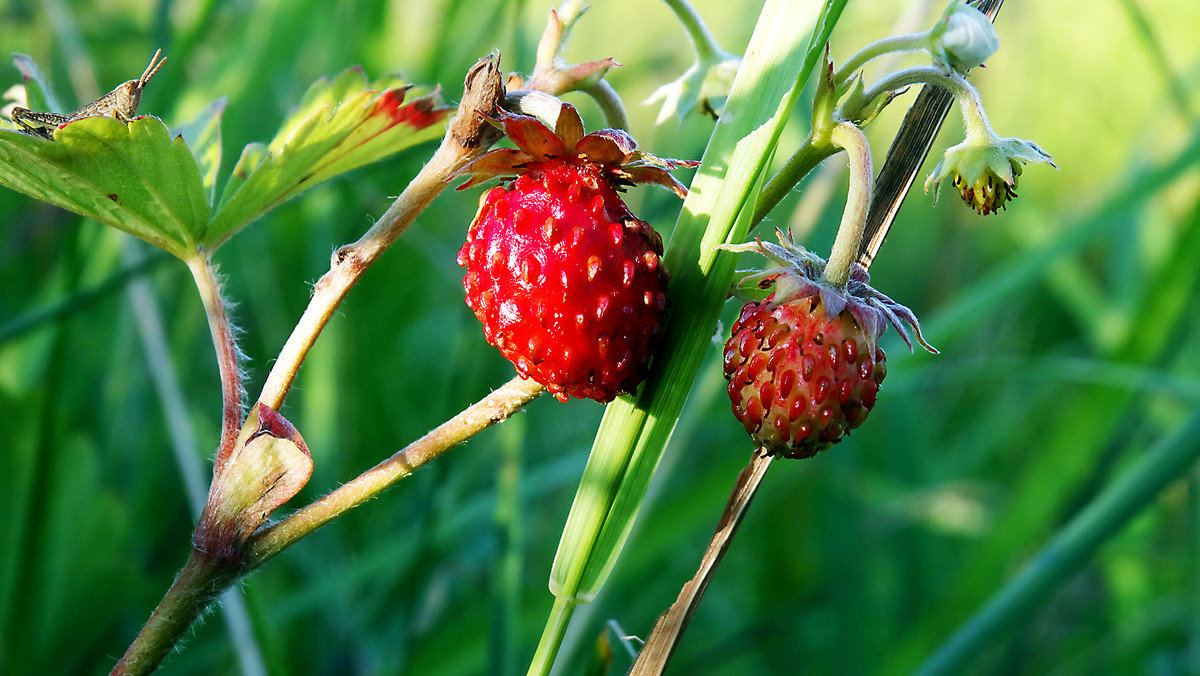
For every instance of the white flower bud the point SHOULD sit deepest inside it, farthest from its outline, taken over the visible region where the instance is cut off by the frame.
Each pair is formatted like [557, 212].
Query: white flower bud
[964, 37]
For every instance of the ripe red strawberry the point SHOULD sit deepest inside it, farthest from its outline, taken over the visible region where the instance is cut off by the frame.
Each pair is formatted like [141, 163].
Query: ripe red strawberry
[567, 282]
[803, 364]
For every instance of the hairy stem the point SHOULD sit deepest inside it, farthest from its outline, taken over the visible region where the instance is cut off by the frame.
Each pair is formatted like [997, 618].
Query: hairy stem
[204, 577]
[803, 161]
[845, 246]
[347, 267]
[467, 137]
[610, 102]
[195, 588]
[492, 409]
[969, 101]
[186, 450]
[227, 353]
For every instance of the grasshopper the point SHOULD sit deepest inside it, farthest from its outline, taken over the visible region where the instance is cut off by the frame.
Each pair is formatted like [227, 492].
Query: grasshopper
[121, 103]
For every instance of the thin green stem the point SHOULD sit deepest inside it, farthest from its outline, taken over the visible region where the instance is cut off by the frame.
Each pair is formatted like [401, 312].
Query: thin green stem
[969, 101]
[850, 138]
[492, 409]
[1071, 548]
[195, 588]
[898, 43]
[703, 40]
[803, 161]
[552, 636]
[610, 102]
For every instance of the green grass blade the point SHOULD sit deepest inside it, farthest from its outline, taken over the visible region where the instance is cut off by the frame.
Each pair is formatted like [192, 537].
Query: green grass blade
[635, 430]
[1071, 548]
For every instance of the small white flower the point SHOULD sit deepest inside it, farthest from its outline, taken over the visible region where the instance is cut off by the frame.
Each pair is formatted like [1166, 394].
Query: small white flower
[985, 174]
[703, 87]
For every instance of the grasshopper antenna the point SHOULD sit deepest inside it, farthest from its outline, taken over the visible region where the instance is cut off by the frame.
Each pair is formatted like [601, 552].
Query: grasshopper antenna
[151, 69]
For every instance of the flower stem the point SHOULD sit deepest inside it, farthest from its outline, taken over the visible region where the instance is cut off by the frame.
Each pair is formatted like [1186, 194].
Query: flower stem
[669, 628]
[803, 161]
[845, 246]
[492, 409]
[347, 267]
[552, 636]
[195, 588]
[703, 40]
[227, 353]
[969, 101]
[610, 102]
[897, 43]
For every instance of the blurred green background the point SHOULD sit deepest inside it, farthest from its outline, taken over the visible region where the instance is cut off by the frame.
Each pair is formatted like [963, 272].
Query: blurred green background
[1068, 326]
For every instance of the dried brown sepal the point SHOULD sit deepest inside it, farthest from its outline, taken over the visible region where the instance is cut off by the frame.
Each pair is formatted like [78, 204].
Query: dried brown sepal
[614, 151]
[483, 91]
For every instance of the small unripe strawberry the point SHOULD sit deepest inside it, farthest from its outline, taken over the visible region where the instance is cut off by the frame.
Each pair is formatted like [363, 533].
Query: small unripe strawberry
[985, 170]
[567, 281]
[804, 365]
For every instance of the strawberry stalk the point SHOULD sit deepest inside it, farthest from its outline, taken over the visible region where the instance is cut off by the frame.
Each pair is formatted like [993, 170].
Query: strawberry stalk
[205, 576]
[462, 143]
[850, 138]
[492, 409]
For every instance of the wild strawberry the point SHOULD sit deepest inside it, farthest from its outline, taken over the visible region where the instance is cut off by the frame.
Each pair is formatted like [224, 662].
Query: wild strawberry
[567, 282]
[803, 364]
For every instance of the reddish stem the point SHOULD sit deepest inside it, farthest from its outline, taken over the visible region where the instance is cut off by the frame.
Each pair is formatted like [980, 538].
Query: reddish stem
[227, 353]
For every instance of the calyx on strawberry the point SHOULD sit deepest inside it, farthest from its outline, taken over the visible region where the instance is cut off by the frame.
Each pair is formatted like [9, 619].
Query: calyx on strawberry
[567, 282]
[804, 364]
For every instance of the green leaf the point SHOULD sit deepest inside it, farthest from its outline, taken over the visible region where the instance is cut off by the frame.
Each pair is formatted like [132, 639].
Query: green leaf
[341, 124]
[252, 156]
[135, 177]
[636, 429]
[203, 136]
